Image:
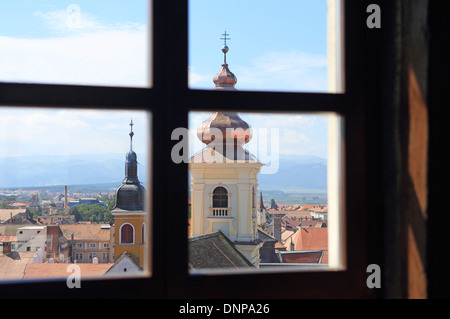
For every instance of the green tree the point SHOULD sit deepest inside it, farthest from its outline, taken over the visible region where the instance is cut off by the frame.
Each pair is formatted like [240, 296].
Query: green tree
[3, 205]
[74, 211]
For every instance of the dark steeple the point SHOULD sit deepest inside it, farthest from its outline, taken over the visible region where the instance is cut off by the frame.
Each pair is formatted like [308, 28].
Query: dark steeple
[131, 194]
[261, 202]
[131, 162]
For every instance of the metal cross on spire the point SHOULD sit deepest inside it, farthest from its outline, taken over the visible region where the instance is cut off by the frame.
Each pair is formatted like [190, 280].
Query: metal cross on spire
[225, 48]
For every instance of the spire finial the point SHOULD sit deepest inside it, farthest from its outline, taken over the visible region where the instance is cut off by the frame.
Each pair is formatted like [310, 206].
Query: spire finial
[225, 48]
[131, 134]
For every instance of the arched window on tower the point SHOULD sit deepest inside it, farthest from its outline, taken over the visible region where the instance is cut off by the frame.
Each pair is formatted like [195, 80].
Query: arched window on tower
[127, 234]
[220, 201]
[143, 233]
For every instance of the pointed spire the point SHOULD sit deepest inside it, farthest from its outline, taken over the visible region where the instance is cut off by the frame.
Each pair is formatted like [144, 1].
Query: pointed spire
[131, 135]
[131, 161]
[261, 202]
[130, 195]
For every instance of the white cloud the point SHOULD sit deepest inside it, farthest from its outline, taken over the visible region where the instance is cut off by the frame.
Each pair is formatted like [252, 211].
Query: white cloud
[194, 78]
[70, 20]
[289, 71]
[59, 132]
[91, 54]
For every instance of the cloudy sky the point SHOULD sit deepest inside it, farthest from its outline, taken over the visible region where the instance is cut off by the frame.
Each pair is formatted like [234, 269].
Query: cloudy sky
[30, 131]
[273, 46]
[85, 42]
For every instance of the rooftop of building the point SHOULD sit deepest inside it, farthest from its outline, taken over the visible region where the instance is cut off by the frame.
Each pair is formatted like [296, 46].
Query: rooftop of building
[87, 231]
[216, 251]
[62, 270]
[310, 239]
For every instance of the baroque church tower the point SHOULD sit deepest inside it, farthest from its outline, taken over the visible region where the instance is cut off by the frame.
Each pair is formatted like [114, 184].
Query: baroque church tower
[129, 211]
[224, 177]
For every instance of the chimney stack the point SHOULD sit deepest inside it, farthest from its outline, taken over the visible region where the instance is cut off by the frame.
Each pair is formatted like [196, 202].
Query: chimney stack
[65, 196]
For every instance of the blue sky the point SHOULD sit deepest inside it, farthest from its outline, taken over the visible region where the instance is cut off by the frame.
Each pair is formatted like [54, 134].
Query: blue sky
[21, 18]
[274, 46]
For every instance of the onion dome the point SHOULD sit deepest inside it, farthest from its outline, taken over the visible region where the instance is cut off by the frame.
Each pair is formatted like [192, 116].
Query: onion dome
[130, 196]
[225, 79]
[231, 127]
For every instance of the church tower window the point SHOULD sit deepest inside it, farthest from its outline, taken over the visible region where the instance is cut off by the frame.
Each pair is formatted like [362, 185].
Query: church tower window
[126, 234]
[220, 197]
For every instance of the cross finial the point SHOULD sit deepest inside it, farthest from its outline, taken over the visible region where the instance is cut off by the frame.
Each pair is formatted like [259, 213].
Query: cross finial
[225, 48]
[225, 38]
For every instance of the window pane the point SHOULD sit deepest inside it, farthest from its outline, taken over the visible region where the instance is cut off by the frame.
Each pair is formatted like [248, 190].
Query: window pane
[69, 179]
[86, 42]
[289, 165]
[288, 45]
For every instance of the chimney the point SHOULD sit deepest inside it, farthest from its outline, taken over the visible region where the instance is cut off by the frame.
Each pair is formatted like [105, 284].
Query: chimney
[6, 247]
[40, 257]
[65, 196]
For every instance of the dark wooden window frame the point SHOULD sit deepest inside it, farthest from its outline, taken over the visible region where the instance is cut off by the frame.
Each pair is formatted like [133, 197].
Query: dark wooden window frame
[170, 100]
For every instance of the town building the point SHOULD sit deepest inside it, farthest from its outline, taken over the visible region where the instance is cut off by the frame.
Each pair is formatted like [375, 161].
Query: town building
[89, 241]
[86, 201]
[14, 216]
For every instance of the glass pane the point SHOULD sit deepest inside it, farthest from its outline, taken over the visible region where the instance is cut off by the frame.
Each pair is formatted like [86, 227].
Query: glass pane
[84, 42]
[288, 45]
[73, 193]
[281, 173]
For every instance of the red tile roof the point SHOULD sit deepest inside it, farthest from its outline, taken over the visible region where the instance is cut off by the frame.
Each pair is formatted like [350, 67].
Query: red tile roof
[311, 239]
[7, 238]
[86, 231]
[302, 257]
[62, 270]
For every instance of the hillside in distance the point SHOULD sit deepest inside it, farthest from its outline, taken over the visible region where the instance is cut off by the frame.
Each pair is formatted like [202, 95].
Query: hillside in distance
[41, 170]
[295, 174]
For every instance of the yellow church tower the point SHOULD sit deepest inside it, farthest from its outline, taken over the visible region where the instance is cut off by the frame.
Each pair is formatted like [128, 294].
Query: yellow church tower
[129, 211]
[224, 177]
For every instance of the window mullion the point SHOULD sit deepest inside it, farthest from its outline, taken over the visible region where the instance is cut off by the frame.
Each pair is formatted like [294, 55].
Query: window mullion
[12, 94]
[267, 101]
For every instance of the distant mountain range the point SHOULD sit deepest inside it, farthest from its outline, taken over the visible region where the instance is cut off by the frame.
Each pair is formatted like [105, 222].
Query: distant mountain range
[41, 170]
[298, 174]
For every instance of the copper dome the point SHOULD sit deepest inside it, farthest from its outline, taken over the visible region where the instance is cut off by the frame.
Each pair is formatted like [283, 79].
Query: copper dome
[232, 128]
